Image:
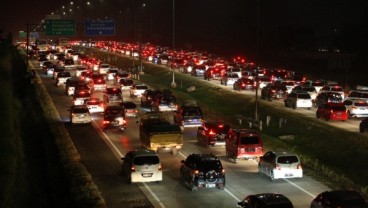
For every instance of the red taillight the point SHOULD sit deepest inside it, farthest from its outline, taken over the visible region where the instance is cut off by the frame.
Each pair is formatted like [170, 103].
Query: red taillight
[196, 172]
[132, 169]
[106, 122]
[211, 132]
[299, 166]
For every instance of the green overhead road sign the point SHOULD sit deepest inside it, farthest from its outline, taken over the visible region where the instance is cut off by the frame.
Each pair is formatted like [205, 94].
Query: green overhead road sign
[59, 27]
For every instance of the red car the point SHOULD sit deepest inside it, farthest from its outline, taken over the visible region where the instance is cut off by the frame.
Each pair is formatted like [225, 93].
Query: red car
[332, 111]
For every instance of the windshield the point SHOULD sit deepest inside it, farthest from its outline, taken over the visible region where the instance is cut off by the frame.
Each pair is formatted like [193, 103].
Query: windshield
[141, 87]
[80, 110]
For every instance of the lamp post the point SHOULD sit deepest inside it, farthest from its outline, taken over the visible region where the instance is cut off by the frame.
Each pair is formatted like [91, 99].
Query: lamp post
[257, 59]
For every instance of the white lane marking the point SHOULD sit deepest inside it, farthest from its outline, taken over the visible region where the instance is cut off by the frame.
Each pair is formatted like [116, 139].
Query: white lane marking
[116, 150]
[300, 188]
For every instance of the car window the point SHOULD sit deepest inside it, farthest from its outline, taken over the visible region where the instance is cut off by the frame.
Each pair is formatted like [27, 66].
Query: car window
[339, 108]
[146, 160]
[304, 96]
[287, 159]
[80, 110]
[249, 140]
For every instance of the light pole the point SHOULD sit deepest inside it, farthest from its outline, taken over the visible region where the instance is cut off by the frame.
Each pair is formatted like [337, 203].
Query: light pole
[257, 59]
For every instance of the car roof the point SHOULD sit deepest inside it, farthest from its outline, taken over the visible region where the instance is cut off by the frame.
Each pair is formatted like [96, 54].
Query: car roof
[143, 152]
[272, 198]
[341, 195]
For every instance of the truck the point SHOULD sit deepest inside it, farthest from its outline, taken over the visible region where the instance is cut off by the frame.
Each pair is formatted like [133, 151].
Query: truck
[158, 134]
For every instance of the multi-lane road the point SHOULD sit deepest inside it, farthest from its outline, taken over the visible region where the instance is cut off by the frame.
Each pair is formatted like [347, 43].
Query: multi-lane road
[101, 153]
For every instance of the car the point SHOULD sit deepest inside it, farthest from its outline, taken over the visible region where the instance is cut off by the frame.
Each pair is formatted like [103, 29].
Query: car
[114, 117]
[363, 125]
[278, 165]
[79, 114]
[358, 94]
[274, 90]
[112, 95]
[57, 69]
[290, 84]
[333, 88]
[142, 165]
[327, 97]
[110, 74]
[103, 68]
[61, 78]
[149, 96]
[125, 84]
[198, 70]
[202, 171]
[130, 108]
[263, 81]
[214, 73]
[121, 74]
[229, 78]
[188, 116]
[266, 200]
[99, 82]
[80, 96]
[244, 84]
[79, 69]
[298, 99]
[212, 133]
[71, 84]
[166, 102]
[68, 63]
[339, 198]
[243, 144]
[332, 111]
[304, 88]
[48, 68]
[136, 90]
[95, 105]
[356, 108]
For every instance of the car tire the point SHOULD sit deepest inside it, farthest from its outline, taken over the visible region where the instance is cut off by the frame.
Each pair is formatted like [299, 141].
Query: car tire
[174, 151]
[285, 104]
[294, 106]
[272, 176]
[349, 115]
[269, 98]
[317, 115]
[193, 187]
[361, 129]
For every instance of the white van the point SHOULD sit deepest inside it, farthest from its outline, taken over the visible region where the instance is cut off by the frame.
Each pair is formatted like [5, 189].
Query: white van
[142, 166]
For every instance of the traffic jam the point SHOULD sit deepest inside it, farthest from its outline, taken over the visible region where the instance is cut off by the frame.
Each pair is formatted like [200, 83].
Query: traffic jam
[114, 95]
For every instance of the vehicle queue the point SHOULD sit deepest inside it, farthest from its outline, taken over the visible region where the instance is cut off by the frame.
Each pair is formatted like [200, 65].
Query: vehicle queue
[274, 78]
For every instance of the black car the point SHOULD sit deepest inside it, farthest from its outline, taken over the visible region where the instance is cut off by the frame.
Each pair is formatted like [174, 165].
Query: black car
[363, 126]
[244, 84]
[274, 90]
[339, 198]
[327, 97]
[188, 116]
[112, 95]
[266, 200]
[149, 96]
[202, 171]
[114, 117]
[212, 133]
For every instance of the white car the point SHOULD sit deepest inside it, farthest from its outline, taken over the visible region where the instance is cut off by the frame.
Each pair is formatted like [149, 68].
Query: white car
[142, 166]
[62, 77]
[79, 114]
[79, 70]
[95, 105]
[289, 85]
[137, 90]
[356, 108]
[103, 68]
[280, 165]
[298, 100]
[333, 88]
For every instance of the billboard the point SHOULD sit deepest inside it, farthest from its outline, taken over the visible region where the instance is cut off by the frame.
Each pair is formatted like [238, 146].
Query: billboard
[96, 27]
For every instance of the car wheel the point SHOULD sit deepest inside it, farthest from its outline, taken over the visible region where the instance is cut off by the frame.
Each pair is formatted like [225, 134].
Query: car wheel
[361, 129]
[317, 115]
[327, 118]
[174, 151]
[259, 168]
[349, 115]
[272, 176]
[269, 98]
[193, 187]
[294, 106]
[285, 104]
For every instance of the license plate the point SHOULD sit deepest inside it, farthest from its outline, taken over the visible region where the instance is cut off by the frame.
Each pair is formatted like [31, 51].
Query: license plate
[289, 175]
[146, 175]
[210, 185]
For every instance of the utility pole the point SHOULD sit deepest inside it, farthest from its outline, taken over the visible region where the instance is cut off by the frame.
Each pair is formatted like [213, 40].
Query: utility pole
[257, 59]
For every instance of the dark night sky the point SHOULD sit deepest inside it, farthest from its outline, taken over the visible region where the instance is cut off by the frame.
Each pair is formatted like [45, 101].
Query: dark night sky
[210, 24]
